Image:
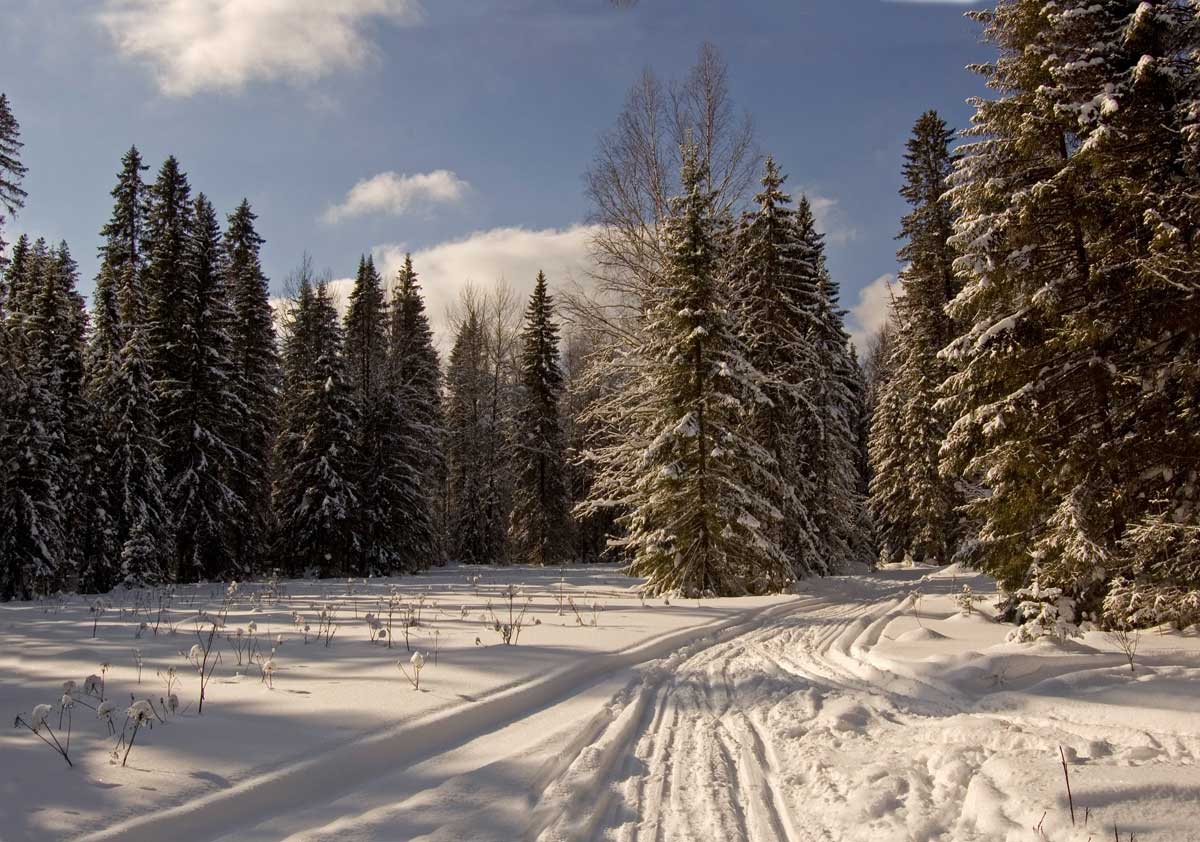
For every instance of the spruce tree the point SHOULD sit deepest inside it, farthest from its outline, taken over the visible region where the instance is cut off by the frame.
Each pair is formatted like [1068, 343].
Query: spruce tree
[119, 280]
[913, 503]
[255, 379]
[168, 305]
[836, 394]
[414, 379]
[200, 412]
[1075, 363]
[771, 277]
[316, 502]
[472, 529]
[540, 521]
[697, 489]
[388, 487]
[12, 171]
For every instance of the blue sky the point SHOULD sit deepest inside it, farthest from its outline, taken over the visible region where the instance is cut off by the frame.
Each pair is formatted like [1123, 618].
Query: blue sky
[466, 123]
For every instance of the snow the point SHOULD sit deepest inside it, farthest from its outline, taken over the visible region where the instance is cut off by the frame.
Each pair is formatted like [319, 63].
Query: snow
[863, 708]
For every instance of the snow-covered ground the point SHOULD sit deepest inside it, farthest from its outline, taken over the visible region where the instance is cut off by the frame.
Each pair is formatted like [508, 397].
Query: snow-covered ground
[853, 710]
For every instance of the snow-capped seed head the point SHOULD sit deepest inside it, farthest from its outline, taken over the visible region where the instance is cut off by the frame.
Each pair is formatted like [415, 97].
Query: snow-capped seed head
[91, 685]
[37, 717]
[140, 711]
[68, 687]
[66, 701]
[253, 627]
[269, 667]
[106, 709]
[196, 653]
[417, 660]
[173, 702]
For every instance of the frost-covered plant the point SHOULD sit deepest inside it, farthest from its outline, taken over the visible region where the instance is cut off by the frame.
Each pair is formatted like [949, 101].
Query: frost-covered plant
[140, 713]
[966, 599]
[97, 608]
[1126, 640]
[93, 685]
[510, 631]
[104, 712]
[1134, 604]
[37, 725]
[203, 659]
[417, 661]
[139, 663]
[1044, 613]
[267, 668]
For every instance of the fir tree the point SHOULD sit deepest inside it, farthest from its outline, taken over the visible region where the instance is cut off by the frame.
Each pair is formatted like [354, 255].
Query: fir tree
[200, 412]
[696, 487]
[414, 379]
[1076, 359]
[913, 503]
[772, 277]
[540, 525]
[255, 378]
[316, 502]
[388, 487]
[12, 171]
[471, 504]
[168, 307]
[836, 394]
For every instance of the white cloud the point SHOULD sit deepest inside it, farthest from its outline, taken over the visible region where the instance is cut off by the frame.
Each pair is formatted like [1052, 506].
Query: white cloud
[871, 310]
[830, 219]
[483, 258]
[396, 193]
[195, 45]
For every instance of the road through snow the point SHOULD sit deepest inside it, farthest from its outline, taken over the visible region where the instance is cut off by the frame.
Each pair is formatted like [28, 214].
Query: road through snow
[819, 718]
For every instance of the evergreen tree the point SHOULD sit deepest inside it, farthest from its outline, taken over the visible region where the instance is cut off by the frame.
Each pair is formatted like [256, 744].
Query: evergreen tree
[388, 487]
[1076, 360]
[414, 379]
[119, 280]
[696, 487]
[836, 393]
[200, 412]
[772, 277]
[540, 525]
[18, 291]
[913, 503]
[255, 378]
[12, 171]
[39, 467]
[168, 305]
[473, 529]
[316, 502]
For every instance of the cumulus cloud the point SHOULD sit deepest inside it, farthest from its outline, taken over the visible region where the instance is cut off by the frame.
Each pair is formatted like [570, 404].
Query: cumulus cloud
[483, 258]
[395, 193]
[830, 219]
[871, 310]
[196, 45]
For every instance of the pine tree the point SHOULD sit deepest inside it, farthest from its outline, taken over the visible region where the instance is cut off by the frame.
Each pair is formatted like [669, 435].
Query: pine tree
[913, 503]
[255, 378]
[18, 292]
[472, 530]
[119, 280]
[836, 393]
[39, 467]
[414, 379]
[772, 277]
[1076, 361]
[696, 487]
[315, 500]
[200, 412]
[12, 171]
[388, 487]
[540, 524]
[167, 302]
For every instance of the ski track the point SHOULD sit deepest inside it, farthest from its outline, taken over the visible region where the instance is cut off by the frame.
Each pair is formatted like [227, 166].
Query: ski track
[738, 733]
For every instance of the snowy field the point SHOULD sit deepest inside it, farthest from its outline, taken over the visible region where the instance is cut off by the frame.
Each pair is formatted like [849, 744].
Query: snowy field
[853, 710]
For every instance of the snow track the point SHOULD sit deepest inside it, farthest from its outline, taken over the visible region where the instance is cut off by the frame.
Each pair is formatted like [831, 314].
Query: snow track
[789, 723]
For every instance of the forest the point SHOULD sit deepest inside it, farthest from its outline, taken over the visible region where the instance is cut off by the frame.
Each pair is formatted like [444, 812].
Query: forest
[695, 411]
